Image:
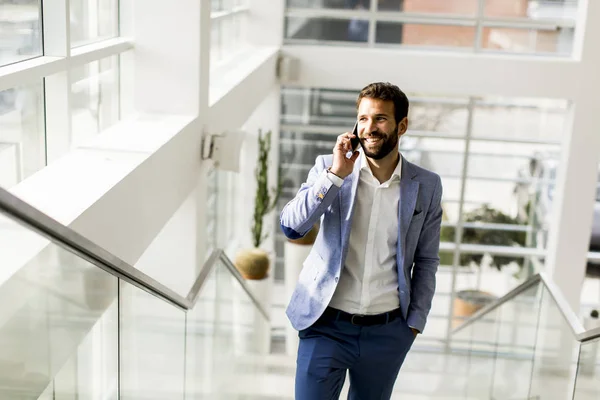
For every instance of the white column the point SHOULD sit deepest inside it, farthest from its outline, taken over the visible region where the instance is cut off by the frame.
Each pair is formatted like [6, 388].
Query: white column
[577, 177]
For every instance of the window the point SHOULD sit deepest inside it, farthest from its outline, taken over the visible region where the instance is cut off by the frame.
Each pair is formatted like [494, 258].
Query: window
[93, 20]
[228, 27]
[529, 27]
[22, 136]
[496, 158]
[50, 110]
[94, 98]
[20, 30]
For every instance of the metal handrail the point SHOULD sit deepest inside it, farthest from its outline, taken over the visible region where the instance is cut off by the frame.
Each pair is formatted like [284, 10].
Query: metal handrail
[565, 309]
[65, 237]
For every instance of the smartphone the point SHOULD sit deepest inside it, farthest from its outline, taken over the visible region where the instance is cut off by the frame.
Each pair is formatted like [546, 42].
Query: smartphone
[354, 141]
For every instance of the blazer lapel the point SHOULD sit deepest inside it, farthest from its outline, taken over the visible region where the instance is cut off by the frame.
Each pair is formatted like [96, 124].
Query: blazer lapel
[409, 190]
[347, 195]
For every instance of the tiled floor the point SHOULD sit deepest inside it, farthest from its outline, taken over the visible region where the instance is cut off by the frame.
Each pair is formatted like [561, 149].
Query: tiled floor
[424, 376]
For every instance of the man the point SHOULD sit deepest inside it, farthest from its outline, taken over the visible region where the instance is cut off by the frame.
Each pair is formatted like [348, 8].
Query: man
[366, 288]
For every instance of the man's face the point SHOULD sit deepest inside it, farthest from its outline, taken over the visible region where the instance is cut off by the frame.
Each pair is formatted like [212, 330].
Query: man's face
[377, 128]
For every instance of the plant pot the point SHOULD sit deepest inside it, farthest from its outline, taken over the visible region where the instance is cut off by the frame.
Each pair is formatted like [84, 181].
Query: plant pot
[309, 238]
[252, 263]
[468, 302]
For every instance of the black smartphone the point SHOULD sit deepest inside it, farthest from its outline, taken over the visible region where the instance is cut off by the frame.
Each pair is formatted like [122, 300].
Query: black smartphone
[354, 141]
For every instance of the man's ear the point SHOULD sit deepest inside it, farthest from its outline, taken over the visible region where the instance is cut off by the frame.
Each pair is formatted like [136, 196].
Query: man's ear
[403, 126]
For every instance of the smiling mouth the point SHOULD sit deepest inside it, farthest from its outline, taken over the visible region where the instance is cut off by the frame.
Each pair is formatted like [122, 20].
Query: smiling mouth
[372, 140]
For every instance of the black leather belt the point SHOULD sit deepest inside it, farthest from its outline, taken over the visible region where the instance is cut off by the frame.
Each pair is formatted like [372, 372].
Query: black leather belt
[360, 319]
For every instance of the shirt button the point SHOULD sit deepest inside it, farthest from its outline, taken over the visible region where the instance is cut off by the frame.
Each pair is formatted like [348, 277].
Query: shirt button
[337, 279]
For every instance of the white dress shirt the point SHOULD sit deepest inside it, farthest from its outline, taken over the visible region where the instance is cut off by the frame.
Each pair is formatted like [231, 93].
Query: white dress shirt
[369, 280]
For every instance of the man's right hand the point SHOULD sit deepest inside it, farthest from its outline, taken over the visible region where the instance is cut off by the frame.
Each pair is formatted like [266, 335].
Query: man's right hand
[343, 166]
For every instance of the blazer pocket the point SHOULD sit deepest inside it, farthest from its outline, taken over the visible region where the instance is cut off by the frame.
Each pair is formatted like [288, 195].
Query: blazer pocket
[418, 214]
[312, 266]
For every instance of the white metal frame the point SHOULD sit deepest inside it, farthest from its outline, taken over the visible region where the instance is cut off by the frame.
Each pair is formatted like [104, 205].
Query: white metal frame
[457, 247]
[478, 22]
[217, 18]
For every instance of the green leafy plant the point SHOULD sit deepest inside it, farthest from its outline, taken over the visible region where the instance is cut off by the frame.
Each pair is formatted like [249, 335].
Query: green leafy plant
[491, 237]
[266, 199]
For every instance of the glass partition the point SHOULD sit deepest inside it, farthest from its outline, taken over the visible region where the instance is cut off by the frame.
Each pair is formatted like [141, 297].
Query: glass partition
[587, 385]
[57, 322]
[69, 329]
[21, 27]
[512, 26]
[525, 349]
[152, 340]
[556, 352]
[229, 333]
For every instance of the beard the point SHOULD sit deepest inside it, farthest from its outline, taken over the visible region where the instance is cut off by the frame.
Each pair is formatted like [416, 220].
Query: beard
[381, 149]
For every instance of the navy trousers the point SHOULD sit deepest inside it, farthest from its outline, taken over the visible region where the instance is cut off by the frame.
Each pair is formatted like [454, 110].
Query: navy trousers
[373, 356]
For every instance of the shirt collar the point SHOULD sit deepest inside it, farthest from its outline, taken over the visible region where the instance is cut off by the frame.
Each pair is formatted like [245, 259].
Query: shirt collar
[365, 166]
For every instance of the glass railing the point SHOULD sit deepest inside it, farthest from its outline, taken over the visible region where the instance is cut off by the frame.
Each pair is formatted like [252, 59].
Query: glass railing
[528, 345]
[76, 322]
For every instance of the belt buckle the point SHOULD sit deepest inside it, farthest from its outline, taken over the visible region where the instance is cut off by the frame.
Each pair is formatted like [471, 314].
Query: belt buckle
[355, 316]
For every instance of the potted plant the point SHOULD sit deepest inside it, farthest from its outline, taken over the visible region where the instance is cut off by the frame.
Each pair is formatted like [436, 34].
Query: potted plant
[254, 263]
[467, 302]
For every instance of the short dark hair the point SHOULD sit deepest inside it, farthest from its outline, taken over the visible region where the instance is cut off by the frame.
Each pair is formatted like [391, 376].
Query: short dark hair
[386, 91]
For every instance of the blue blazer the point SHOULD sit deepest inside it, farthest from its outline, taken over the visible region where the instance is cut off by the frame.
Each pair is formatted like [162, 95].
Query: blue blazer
[420, 217]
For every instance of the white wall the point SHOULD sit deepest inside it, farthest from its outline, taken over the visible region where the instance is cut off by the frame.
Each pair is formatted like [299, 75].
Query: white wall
[435, 72]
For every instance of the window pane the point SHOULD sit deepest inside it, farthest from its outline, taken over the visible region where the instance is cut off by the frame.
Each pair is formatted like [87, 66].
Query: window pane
[22, 136]
[556, 41]
[543, 119]
[215, 42]
[440, 115]
[20, 30]
[425, 35]
[557, 9]
[327, 29]
[94, 98]
[93, 20]
[462, 7]
[337, 4]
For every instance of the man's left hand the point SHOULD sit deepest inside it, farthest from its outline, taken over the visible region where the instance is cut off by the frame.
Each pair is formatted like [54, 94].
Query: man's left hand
[414, 331]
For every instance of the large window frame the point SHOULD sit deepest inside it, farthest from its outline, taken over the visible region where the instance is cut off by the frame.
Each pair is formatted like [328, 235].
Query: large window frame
[54, 70]
[478, 22]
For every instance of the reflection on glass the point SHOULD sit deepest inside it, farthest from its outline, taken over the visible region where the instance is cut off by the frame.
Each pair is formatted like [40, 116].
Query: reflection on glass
[152, 338]
[93, 369]
[53, 300]
[332, 4]
[561, 9]
[435, 154]
[20, 30]
[461, 7]
[227, 37]
[424, 35]
[93, 20]
[556, 354]
[327, 29]
[225, 338]
[517, 336]
[94, 98]
[444, 115]
[513, 40]
[22, 136]
[588, 372]
[520, 118]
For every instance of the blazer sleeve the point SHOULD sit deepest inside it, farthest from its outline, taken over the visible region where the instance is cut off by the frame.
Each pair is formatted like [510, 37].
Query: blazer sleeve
[426, 262]
[314, 197]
